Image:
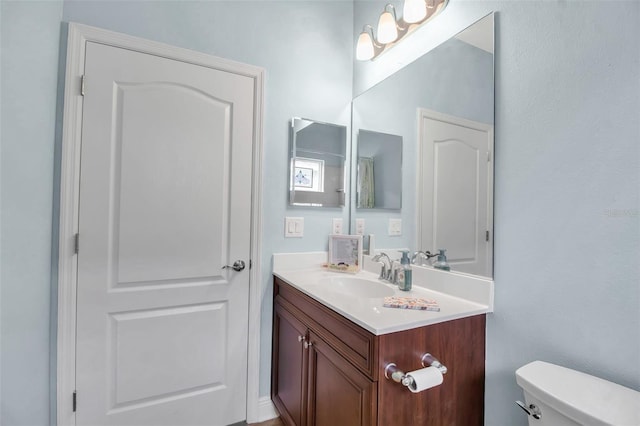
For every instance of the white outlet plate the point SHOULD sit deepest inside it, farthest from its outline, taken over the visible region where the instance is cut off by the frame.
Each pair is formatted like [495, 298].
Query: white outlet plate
[395, 227]
[293, 227]
[359, 226]
[336, 226]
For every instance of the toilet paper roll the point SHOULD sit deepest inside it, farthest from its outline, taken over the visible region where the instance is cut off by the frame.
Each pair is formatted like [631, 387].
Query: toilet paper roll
[425, 378]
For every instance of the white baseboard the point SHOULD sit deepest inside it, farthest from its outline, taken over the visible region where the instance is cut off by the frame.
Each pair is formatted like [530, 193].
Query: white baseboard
[266, 409]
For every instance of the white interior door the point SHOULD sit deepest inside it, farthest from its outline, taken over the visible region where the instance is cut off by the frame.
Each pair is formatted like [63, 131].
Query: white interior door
[165, 203]
[456, 191]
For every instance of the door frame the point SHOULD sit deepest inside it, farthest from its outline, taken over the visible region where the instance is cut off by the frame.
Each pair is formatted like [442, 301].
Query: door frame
[78, 36]
[463, 122]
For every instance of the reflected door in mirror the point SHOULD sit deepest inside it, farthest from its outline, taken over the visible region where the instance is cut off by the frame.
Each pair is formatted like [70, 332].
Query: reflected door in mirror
[455, 200]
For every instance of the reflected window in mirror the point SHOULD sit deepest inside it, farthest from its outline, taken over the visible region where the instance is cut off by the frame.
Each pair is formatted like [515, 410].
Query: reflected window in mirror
[308, 174]
[317, 163]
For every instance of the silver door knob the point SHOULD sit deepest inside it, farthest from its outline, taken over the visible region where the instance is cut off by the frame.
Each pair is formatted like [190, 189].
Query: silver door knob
[238, 265]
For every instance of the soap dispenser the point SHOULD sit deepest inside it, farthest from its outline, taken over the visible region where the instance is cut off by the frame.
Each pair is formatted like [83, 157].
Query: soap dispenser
[404, 274]
[441, 263]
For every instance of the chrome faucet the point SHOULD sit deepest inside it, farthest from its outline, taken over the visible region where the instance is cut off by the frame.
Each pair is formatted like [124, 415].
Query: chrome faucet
[385, 274]
[421, 254]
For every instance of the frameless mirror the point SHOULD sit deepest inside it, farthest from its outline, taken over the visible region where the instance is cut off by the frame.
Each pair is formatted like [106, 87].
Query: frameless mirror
[379, 171]
[317, 163]
[442, 107]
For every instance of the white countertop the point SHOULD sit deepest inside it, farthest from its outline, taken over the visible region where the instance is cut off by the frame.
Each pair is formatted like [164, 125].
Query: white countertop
[369, 312]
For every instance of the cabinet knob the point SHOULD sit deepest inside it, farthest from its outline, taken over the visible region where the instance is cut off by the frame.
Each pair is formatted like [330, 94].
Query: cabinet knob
[307, 344]
[301, 338]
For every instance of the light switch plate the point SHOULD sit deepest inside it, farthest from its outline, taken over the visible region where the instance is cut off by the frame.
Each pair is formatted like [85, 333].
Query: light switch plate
[293, 227]
[359, 226]
[336, 226]
[395, 227]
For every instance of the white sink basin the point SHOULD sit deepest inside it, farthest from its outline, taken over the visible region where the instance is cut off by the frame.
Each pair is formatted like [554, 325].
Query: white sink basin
[357, 287]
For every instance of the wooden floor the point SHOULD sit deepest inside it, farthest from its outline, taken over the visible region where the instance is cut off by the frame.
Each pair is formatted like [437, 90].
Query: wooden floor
[274, 422]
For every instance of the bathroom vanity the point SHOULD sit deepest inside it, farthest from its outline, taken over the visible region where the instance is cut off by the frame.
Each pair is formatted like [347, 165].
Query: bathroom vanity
[330, 350]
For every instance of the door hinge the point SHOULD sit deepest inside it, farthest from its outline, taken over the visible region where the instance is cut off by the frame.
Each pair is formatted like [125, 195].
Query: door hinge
[76, 243]
[82, 85]
[74, 401]
[488, 156]
[487, 236]
[250, 263]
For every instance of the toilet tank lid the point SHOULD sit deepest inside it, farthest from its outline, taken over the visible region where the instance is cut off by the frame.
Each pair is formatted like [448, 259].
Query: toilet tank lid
[579, 396]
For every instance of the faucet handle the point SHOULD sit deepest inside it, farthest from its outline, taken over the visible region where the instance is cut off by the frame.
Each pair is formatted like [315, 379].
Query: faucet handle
[379, 256]
[383, 271]
[393, 272]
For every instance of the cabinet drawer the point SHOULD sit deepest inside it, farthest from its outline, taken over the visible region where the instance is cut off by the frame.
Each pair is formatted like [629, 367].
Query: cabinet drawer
[351, 341]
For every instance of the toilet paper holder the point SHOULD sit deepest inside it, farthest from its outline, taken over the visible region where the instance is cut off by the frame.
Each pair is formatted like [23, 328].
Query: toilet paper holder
[392, 372]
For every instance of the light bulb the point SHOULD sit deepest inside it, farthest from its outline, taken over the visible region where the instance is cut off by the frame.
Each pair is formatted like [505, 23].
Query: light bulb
[387, 29]
[364, 48]
[414, 11]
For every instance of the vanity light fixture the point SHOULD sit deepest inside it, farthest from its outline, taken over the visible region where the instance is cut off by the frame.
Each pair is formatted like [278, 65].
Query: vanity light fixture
[414, 11]
[387, 26]
[391, 29]
[367, 47]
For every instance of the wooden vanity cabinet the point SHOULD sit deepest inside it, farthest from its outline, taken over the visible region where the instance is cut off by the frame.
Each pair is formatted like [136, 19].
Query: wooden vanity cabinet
[320, 378]
[289, 366]
[338, 393]
[328, 371]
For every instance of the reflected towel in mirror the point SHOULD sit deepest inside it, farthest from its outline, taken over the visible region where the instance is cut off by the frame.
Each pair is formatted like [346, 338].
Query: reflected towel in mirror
[366, 188]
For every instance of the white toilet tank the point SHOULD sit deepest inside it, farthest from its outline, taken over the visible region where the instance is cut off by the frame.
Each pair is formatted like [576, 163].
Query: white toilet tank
[567, 397]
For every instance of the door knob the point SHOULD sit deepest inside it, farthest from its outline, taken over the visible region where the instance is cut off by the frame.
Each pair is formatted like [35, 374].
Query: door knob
[238, 265]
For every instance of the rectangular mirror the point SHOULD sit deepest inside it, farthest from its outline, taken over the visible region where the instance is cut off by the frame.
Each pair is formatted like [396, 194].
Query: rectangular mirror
[379, 171]
[442, 108]
[317, 163]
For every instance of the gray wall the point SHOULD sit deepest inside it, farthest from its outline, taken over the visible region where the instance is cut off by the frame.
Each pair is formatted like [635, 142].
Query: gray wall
[567, 161]
[30, 39]
[567, 173]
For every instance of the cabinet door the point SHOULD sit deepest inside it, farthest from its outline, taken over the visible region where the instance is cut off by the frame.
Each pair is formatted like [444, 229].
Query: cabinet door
[459, 400]
[339, 394]
[288, 382]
